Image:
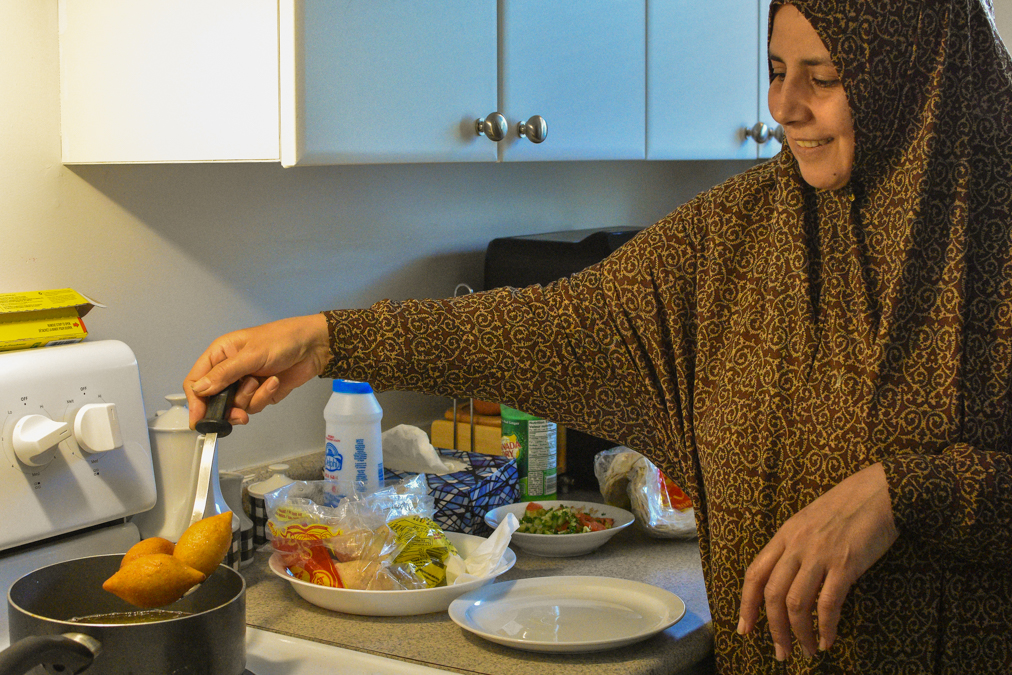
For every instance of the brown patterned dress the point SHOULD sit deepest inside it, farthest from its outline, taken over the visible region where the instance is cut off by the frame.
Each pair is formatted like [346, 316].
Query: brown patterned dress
[766, 340]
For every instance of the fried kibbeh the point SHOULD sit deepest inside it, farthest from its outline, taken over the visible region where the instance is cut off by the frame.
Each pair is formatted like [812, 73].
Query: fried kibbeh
[153, 580]
[204, 544]
[147, 547]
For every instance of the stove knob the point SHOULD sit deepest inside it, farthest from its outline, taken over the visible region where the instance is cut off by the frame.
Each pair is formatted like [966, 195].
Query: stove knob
[96, 427]
[35, 439]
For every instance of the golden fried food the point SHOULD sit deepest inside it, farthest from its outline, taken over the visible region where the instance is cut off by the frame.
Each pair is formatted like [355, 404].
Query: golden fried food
[147, 547]
[203, 545]
[153, 580]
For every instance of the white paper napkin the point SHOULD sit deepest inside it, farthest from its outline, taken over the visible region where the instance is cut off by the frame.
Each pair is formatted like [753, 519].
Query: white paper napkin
[407, 448]
[486, 558]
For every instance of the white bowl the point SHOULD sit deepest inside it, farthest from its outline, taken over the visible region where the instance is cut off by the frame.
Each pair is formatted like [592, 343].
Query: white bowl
[394, 603]
[562, 545]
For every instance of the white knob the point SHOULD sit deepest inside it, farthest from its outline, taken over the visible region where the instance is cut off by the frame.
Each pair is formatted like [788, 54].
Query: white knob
[35, 439]
[96, 427]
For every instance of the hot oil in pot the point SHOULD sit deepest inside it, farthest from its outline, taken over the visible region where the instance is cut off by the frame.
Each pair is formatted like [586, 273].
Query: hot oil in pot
[146, 616]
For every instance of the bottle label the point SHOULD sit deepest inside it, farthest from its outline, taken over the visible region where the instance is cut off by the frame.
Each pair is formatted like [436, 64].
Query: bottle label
[334, 460]
[533, 444]
[361, 461]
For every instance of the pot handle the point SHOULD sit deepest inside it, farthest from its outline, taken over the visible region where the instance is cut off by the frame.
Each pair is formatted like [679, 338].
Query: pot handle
[69, 653]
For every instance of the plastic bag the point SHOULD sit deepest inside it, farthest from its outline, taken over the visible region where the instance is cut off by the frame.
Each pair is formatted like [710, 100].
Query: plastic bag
[629, 480]
[381, 540]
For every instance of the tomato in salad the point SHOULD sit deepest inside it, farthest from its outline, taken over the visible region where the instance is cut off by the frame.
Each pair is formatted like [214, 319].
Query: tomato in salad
[561, 520]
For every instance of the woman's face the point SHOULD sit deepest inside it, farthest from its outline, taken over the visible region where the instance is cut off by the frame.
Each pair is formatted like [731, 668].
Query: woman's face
[807, 98]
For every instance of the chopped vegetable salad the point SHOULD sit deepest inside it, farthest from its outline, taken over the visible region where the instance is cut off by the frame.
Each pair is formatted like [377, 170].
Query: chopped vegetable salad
[561, 520]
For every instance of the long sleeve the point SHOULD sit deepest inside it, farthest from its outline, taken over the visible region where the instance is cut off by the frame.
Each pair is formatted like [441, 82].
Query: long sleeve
[607, 351]
[959, 500]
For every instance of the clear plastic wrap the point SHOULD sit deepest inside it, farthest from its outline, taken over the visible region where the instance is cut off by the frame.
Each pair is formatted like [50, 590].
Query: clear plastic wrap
[380, 540]
[629, 480]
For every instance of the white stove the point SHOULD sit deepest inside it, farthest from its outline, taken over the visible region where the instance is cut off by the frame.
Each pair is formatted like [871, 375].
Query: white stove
[75, 460]
[75, 465]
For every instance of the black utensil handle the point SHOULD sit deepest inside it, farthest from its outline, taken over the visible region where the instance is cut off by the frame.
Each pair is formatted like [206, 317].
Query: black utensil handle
[216, 418]
[59, 651]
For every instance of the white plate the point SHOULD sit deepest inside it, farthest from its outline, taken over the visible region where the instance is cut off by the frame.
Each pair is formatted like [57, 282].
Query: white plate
[394, 603]
[567, 614]
[562, 545]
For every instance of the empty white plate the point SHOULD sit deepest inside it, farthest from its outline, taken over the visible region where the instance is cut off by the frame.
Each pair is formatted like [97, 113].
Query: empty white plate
[567, 614]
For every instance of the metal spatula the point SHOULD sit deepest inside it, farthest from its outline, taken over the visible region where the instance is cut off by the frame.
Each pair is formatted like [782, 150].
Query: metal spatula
[215, 425]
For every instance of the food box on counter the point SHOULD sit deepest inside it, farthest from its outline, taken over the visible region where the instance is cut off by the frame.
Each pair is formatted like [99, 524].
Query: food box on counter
[41, 318]
[463, 497]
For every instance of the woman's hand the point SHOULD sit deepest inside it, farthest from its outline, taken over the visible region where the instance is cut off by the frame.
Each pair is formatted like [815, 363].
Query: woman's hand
[274, 359]
[814, 559]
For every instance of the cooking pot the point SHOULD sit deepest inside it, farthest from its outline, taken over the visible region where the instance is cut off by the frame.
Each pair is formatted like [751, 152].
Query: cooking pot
[209, 638]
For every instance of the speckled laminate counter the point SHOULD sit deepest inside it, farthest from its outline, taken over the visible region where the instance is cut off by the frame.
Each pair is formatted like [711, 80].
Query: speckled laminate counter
[434, 640]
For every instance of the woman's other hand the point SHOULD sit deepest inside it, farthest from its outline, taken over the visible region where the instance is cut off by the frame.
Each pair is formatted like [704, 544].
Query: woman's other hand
[272, 360]
[815, 557]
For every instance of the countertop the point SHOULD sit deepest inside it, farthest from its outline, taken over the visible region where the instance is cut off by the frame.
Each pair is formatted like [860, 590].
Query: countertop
[434, 640]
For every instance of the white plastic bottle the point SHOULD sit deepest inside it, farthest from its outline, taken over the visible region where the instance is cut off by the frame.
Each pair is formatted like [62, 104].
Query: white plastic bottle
[354, 458]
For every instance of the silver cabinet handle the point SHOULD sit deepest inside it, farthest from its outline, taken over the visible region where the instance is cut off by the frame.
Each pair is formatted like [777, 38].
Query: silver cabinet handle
[493, 126]
[760, 133]
[779, 134]
[534, 129]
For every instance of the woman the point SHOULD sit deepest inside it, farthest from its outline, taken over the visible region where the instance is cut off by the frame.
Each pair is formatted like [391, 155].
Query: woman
[817, 350]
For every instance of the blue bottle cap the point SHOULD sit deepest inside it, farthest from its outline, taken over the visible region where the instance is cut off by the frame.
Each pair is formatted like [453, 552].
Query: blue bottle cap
[351, 387]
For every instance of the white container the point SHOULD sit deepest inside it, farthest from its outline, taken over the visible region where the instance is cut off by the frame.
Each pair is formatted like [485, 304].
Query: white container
[175, 452]
[354, 449]
[176, 461]
[258, 509]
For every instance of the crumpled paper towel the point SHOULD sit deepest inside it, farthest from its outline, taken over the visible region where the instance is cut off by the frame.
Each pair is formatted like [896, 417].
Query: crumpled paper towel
[407, 448]
[486, 558]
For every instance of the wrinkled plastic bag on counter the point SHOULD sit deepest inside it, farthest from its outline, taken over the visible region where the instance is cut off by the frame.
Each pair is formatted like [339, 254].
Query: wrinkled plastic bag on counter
[629, 480]
[379, 540]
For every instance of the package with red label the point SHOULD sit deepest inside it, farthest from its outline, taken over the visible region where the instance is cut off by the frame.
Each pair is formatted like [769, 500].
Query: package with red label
[629, 480]
[383, 540]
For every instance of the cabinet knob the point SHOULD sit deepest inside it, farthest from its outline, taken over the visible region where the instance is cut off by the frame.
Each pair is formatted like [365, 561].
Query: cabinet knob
[534, 129]
[760, 133]
[493, 126]
[779, 134]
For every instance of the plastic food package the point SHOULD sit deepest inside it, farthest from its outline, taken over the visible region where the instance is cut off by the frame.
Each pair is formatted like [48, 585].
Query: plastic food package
[380, 540]
[629, 480]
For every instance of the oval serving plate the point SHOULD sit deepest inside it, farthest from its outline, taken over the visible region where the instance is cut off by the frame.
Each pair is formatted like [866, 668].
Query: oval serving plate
[567, 614]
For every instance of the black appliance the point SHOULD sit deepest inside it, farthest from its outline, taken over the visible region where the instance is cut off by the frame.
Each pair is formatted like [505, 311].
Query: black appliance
[541, 259]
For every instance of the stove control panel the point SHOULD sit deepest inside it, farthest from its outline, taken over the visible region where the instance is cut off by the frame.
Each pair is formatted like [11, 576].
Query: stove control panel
[74, 448]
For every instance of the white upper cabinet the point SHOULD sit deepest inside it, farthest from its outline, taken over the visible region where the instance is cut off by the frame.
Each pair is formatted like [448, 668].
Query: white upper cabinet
[707, 79]
[580, 67]
[370, 81]
[180, 81]
[377, 81]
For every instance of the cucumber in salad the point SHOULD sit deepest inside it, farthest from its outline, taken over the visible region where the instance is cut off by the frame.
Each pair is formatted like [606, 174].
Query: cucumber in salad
[561, 520]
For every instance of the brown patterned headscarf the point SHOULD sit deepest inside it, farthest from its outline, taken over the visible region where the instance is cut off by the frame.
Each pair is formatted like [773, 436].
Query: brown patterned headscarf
[929, 84]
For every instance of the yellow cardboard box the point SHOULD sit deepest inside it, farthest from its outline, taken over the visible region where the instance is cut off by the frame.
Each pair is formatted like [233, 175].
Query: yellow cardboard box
[40, 318]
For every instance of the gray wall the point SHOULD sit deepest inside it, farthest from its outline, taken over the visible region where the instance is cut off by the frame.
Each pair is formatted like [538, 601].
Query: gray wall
[182, 253]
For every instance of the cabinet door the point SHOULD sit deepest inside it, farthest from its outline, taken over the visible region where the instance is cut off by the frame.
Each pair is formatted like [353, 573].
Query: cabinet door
[702, 82]
[180, 81]
[772, 146]
[367, 81]
[580, 66]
